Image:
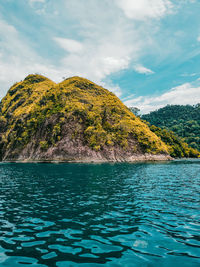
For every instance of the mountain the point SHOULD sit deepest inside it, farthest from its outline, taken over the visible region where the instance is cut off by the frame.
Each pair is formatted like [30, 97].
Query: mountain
[75, 120]
[184, 121]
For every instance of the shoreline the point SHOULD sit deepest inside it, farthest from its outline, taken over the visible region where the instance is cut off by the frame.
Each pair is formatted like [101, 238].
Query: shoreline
[132, 159]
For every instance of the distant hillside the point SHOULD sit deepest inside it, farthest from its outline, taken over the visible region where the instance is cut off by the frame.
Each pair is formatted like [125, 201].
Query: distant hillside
[182, 120]
[75, 120]
[176, 146]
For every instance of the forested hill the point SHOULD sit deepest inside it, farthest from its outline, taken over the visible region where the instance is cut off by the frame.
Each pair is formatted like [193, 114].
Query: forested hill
[74, 120]
[184, 120]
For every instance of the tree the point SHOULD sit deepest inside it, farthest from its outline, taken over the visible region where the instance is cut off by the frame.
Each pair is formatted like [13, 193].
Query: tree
[135, 110]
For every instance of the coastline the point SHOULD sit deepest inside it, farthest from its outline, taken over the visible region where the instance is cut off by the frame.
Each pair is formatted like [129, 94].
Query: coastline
[131, 159]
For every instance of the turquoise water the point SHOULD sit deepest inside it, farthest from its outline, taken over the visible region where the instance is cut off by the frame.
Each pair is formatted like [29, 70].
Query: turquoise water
[144, 214]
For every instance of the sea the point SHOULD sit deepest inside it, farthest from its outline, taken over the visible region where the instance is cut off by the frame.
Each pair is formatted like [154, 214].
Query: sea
[110, 214]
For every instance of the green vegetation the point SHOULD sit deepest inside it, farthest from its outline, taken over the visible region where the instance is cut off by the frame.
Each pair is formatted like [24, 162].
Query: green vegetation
[184, 121]
[135, 110]
[40, 111]
[176, 146]
[44, 145]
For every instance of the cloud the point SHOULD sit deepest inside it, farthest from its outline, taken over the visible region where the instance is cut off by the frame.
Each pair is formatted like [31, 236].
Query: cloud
[39, 6]
[69, 45]
[19, 60]
[145, 9]
[108, 41]
[198, 39]
[37, 1]
[189, 74]
[92, 59]
[180, 95]
[105, 45]
[141, 69]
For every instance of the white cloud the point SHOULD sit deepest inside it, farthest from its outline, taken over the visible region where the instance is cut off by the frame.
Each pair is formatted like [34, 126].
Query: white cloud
[189, 74]
[105, 47]
[198, 39]
[188, 93]
[37, 1]
[110, 42]
[69, 45]
[145, 9]
[90, 59]
[19, 60]
[39, 6]
[143, 70]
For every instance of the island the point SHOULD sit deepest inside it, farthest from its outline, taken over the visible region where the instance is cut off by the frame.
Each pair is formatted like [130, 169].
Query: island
[74, 121]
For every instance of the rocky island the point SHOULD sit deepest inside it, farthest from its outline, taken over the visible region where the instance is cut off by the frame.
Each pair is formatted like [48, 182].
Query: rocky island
[73, 121]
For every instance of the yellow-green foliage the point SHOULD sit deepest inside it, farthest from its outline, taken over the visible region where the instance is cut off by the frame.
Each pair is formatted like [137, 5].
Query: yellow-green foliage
[23, 97]
[98, 115]
[96, 136]
[3, 120]
[44, 145]
[176, 146]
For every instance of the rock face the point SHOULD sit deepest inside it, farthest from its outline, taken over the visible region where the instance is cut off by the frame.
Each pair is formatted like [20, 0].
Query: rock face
[75, 120]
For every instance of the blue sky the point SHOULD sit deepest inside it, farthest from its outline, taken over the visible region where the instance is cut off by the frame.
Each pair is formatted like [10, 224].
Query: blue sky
[146, 51]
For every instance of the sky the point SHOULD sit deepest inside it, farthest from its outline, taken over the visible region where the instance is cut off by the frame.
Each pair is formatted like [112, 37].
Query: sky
[145, 51]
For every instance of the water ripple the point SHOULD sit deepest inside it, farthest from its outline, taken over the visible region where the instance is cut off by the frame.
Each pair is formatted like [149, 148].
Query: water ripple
[112, 214]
